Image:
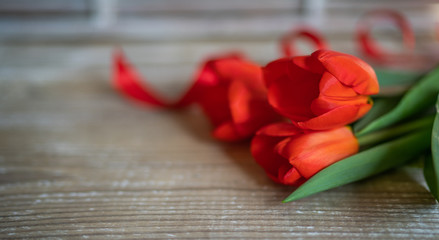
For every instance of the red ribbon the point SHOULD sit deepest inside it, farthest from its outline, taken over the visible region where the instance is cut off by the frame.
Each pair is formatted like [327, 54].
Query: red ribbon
[369, 47]
[129, 83]
[287, 44]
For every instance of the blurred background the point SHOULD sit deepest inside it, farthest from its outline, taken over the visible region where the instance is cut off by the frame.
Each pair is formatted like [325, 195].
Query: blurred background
[40, 38]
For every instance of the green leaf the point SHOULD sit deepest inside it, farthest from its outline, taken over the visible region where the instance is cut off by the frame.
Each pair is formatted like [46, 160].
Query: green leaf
[419, 98]
[388, 79]
[431, 165]
[395, 131]
[431, 176]
[394, 81]
[365, 164]
[380, 107]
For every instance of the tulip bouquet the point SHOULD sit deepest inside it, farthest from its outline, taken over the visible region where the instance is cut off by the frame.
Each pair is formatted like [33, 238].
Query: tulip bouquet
[311, 120]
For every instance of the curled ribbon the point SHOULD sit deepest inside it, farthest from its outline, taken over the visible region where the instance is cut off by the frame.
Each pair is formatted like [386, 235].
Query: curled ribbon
[128, 82]
[287, 46]
[370, 48]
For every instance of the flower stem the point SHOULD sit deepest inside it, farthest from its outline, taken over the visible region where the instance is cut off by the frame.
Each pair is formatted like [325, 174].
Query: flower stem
[379, 136]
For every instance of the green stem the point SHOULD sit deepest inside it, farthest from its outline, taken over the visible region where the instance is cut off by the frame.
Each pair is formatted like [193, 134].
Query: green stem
[379, 136]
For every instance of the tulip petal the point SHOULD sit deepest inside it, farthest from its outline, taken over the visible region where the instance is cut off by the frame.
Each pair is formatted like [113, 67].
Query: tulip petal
[235, 84]
[249, 108]
[335, 118]
[241, 70]
[309, 63]
[292, 95]
[287, 174]
[275, 69]
[334, 94]
[249, 104]
[349, 70]
[330, 86]
[323, 104]
[280, 130]
[290, 176]
[249, 111]
[311, 152]
[215, 104]
[227, 132]
[208, 75]
[262, 149]
[240, 98]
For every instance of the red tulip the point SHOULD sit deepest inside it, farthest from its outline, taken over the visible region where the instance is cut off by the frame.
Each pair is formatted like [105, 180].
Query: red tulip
[290, 155]
[229, 89]
[325, 90]
[236, 99]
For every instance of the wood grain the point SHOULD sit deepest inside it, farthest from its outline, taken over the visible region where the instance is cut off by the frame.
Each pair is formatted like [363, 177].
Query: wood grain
[77, 161]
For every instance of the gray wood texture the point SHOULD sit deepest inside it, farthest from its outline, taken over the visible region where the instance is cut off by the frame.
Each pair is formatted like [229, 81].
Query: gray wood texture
[77, 161]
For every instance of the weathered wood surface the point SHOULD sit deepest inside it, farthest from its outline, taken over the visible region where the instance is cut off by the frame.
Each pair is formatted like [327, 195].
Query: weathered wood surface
[78, 161]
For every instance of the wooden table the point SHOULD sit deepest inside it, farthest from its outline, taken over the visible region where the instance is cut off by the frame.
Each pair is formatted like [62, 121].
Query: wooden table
[79, 161]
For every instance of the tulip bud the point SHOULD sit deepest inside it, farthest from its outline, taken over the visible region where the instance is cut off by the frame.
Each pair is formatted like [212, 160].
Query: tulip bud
[290, 155]
[325, 90]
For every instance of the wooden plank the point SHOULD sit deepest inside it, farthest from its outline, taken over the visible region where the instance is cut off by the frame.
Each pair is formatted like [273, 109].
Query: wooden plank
[77, 161]
[203, 6]
[173, 20]
[29, 7]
